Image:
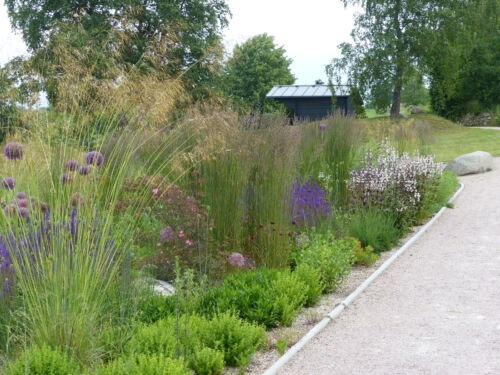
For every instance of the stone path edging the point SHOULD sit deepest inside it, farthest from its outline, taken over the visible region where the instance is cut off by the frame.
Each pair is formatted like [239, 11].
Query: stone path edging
[290, 353]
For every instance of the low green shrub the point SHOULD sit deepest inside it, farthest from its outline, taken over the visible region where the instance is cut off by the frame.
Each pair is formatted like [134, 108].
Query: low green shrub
[331, 258]
[157, 338]
[365, 256]
[432, 203]
[236, 338]
[374, 227]
[43, 360]
[309, 276]
[264, 296]
[144, 364]
[207, 361]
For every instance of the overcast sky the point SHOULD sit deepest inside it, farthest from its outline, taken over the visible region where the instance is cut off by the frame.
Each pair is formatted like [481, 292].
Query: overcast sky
[309, 30]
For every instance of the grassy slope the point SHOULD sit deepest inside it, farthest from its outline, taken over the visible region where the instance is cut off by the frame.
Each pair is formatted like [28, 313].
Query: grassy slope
[449, 139]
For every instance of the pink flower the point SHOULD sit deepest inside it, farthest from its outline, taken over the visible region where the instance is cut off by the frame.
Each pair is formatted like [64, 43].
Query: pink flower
[154, 191]
[181, 234]
[189, 242]
[236, 259]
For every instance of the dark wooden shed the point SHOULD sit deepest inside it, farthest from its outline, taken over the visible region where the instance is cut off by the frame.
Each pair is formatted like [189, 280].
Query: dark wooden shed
[312, 102]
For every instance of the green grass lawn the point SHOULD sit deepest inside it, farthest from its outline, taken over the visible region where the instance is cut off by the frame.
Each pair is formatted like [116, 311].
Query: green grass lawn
[449, 140]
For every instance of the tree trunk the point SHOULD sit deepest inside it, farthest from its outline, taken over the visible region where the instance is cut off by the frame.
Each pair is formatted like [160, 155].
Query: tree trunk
[396, 96]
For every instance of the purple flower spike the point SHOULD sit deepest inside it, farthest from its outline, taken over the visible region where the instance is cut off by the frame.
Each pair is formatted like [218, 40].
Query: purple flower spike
[14, 151]
[9, 183]
[21, 195]
[237, 260]
[322, 127]
[84, 170]
[66, 177]
[72, 165]
[94, 158]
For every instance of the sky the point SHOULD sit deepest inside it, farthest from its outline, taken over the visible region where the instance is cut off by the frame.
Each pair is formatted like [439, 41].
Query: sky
[309, 31]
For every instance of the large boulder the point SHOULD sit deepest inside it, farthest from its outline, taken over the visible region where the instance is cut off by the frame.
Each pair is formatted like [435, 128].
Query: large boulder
[417, 111]
[475, 162]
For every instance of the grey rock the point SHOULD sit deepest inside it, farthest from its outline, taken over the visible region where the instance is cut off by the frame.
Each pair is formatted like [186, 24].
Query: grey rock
[482, 119]
[417, 110]
[475, 162]
[161, 287]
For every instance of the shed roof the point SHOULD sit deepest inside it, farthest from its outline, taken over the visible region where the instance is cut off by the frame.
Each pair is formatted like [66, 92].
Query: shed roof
[306, 91]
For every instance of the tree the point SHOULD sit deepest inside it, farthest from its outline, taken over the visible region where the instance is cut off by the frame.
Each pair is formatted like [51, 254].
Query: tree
[389, 40]
[195, 27]
[253, 69]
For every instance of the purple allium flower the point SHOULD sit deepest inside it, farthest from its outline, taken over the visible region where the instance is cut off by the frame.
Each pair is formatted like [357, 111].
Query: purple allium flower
[322, 127]
[14, 151]
[84, 170]
[8, 183]
[24, 212]
[94, 158]
[10, 210]
[22, 202]
[21, 195]
[167, 233]
[237, 260]
[66, 177]
[72, 165]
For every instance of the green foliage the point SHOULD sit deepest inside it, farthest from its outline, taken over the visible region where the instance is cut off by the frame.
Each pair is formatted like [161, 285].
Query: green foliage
[365, 256]
[253, 69]
[282, 346]
[43, 360]
[331, 258]
[207, 361]
[265, 296]
[143, 364]
[448, 184]
[357, 101]
[414, 91]
[374, 227]
[236, 338]
[312, 278]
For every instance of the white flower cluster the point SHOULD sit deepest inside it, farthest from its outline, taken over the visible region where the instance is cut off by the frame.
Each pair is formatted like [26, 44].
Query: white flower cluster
[386, 177]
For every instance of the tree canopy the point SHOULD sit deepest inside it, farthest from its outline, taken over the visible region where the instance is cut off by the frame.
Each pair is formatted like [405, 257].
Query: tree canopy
[193, 28]
[253, 69]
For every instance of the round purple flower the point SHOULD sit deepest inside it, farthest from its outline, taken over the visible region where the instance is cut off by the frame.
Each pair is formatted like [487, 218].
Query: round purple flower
[24, 212]
[14, 151]
[237, 260]
[21, 195]
[22, 202]
[84, 170]
[94, 158]
[10, 210]
[322, 127]
[72, 165]
[8, 183]
[66, 177]
[167, 233]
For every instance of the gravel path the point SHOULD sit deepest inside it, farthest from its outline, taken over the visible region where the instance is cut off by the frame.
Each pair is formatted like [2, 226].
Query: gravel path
[436, 310]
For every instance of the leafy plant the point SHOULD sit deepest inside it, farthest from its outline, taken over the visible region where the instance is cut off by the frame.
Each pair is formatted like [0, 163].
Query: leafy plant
[332, 258]
[312, 278]
[43, 360]
[207, 361]
[144, 364]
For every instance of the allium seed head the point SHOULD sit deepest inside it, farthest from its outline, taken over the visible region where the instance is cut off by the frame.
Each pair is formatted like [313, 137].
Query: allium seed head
[237, 260]
[22, 202]
[94, 158]
[24, 212]
[322, 127]
[76, 199]
[21, 195]
[14, 151]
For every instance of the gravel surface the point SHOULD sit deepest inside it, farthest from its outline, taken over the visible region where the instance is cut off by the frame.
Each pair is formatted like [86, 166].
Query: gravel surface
[436, 310]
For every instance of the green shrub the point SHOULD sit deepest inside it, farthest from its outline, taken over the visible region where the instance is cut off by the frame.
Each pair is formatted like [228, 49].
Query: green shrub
[237, 339]
[43, 360]
[312, 278]
[158, 338]
[264, 296]
[207, 361]
[374, 227]
[143, 364]
[365, 256]
[330, 257]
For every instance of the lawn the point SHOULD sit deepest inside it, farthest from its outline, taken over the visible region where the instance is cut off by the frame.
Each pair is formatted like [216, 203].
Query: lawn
[446, 140]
